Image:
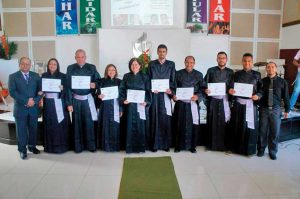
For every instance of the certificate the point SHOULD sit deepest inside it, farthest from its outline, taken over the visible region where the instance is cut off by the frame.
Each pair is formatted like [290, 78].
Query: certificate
[216, 89]
[111, 92]
[51, 85]
[243, 90]
[160, 85]
[81, 82]
[184, 93]
[135, 96]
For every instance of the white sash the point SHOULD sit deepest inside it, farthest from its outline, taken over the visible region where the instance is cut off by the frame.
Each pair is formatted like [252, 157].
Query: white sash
[142, 111]
[195, 113]
[91, 104]
[59, 110]
[227, 111]
[92, 107]
[168, 105]
[249, 111]
[116, 111]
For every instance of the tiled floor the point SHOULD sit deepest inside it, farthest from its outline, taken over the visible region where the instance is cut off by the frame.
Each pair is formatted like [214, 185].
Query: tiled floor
[205, 175]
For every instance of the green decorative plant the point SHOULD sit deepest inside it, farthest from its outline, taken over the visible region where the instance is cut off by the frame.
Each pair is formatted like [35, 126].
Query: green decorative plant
[144, 58]
[7, 49]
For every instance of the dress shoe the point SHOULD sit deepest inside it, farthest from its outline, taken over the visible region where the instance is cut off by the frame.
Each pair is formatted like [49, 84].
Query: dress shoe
[34, 150]
[166, 150]
[23, 155]
[154, 150]
[92, 150]
[177, 150]
[272, 156]
[260, 153]
[193, 150]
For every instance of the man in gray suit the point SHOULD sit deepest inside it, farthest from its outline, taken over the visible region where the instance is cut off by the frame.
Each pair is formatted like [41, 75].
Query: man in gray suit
[24, 87]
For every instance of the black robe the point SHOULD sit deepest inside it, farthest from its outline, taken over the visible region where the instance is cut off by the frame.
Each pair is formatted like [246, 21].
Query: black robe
[217, 134]
[135, 127]
[186, 133]
[108, 129]
[56, 135]
[160, 122]
[83, 124]
[243, 140]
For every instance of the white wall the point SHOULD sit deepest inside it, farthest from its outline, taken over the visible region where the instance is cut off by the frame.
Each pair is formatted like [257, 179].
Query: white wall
[290, 37]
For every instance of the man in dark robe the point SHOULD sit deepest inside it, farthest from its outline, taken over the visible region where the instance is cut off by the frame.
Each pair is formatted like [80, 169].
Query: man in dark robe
[244, 115]
[186, 112]
[160, 109]
[218, 109]
[274, 90]
[81, 103]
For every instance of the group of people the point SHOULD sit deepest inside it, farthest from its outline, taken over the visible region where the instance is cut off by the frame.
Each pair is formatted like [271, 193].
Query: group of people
[232, 121]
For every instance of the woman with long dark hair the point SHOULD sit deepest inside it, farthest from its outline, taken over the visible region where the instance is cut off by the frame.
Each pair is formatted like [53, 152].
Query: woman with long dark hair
[56, 118]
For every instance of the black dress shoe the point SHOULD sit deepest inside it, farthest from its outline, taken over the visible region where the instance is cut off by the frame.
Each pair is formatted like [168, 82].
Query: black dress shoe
[272, 156]
[176, 150]
[34, 150]
[166, 150]
[23, 155]
[154, 150]
[193, 150]
[260, 153]
[92, 150]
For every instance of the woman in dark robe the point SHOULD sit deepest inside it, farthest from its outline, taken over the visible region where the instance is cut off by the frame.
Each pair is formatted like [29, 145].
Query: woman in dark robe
[56, 118]
[186, 112]
[135, 114]
[109, 112]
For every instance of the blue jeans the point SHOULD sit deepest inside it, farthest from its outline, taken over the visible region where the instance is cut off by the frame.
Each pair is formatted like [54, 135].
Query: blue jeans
[296, 91]
[269, 129]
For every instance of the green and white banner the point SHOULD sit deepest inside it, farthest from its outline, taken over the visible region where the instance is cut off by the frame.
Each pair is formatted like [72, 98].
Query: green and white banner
[90, 16]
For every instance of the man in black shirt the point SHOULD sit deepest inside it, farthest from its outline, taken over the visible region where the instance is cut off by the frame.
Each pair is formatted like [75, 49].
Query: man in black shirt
[274, 90]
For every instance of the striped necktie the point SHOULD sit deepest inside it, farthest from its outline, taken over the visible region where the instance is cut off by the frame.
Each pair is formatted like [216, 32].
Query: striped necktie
[26, 75]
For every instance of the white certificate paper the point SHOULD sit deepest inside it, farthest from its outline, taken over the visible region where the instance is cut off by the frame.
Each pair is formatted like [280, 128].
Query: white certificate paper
[81, 82]
[135, 96]
[216, 89]
[160, 85]
[51, 85]
[243, 90]
[184, 93]
[111, 92]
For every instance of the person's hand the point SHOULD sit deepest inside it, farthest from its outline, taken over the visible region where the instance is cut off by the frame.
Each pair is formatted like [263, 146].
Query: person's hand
[92, 85]
[61, 87]
[285, 115]
[120, 114]
[174, 98]
[143, 104]
[126, 102]
[30, 102]
[255, 97]
[194, 98]
[155, 91]
[207, 91]
[168, 91]
[70, 109]
[231, 91]
[101, 96]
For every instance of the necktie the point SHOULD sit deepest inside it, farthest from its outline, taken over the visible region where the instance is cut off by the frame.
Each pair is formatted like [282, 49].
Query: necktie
[270, 97]
[26, 77]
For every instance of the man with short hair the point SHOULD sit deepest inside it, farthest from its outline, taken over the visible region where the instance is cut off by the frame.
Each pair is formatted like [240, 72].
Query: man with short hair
[275, 89]
[186, 112]
[244, 115]
[218, 109]
[161, 109]
[81, 102]
[24, 87]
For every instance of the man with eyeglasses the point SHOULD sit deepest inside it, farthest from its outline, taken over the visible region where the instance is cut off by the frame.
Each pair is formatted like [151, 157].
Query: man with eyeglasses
[24, 87]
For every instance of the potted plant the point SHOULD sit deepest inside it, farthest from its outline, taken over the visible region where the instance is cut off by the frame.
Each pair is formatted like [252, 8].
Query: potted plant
[7, 49]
